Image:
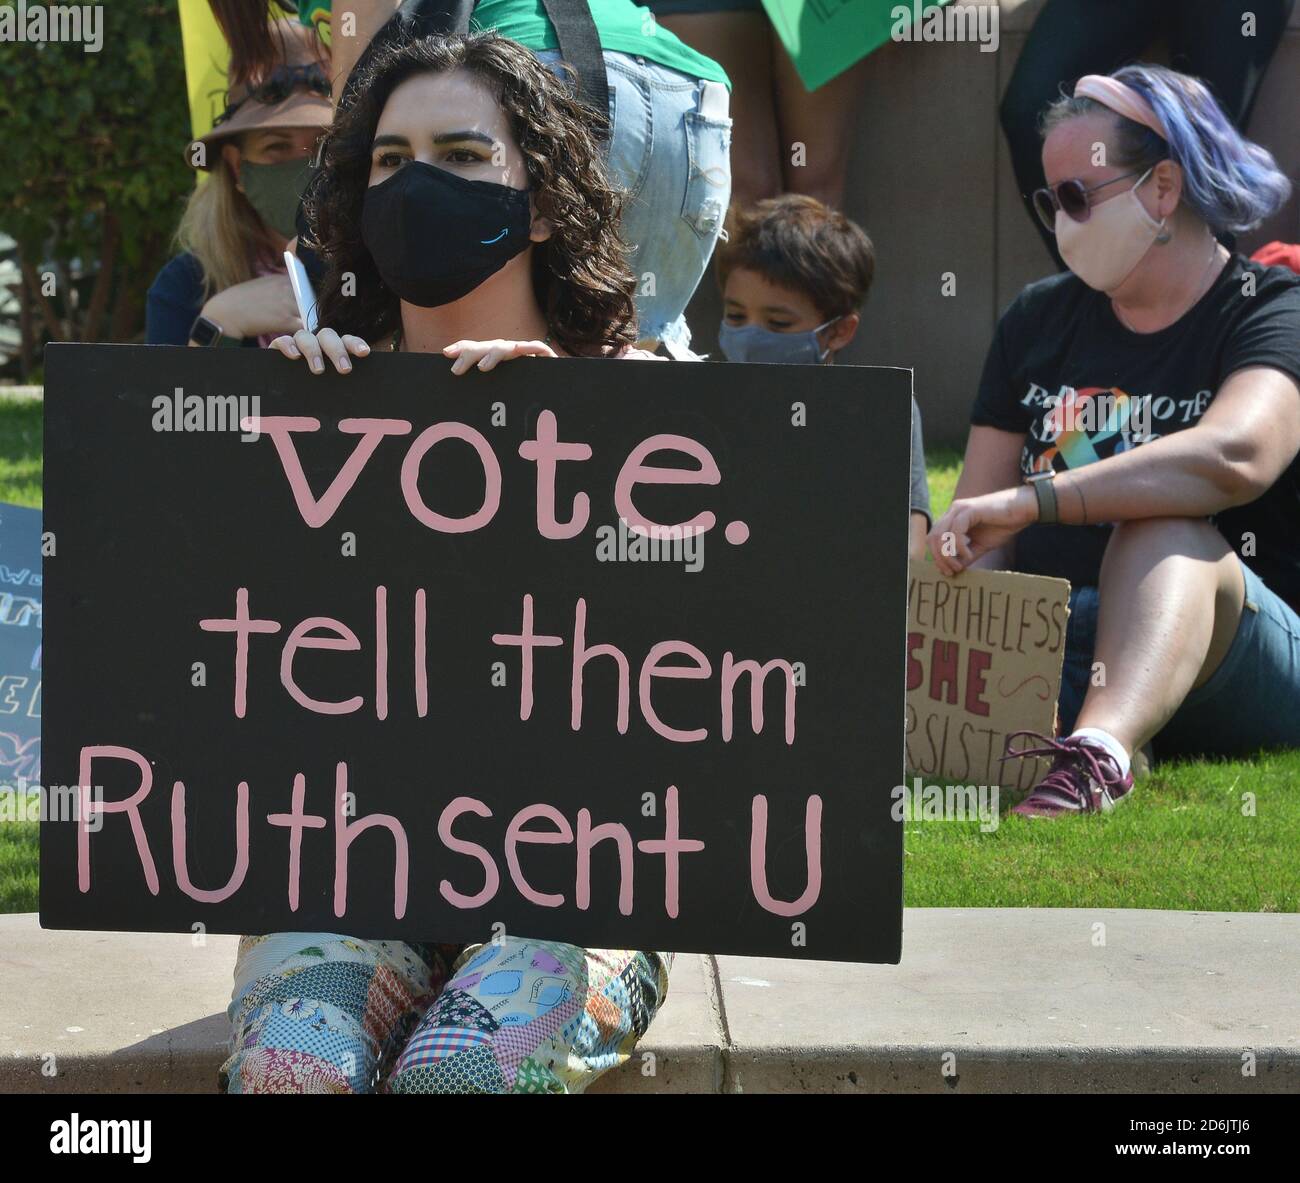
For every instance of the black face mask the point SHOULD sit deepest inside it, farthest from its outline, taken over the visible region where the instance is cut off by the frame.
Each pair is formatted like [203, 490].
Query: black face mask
[435, 236]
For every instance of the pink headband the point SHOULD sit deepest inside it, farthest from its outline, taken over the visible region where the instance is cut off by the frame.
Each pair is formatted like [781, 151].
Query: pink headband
[1121, 99]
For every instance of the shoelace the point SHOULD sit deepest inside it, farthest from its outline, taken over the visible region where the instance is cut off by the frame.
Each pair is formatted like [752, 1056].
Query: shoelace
[1061, 752]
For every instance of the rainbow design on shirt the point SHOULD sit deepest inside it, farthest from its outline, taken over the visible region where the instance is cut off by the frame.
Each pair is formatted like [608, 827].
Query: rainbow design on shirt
[1089, 424]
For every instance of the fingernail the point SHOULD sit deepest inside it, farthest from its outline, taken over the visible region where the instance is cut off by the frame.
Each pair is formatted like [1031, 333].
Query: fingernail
[345, 367]
[316, 365]
[363, 349]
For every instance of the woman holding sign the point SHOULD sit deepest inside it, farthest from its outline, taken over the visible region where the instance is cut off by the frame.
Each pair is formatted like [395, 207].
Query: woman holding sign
[462, 198]
[1137, 430]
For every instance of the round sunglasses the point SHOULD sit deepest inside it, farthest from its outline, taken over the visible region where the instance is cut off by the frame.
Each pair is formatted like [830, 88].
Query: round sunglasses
[1071, 198]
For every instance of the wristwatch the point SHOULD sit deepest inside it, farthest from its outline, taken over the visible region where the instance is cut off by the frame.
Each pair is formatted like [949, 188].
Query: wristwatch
[205, 332]
[1045, 489]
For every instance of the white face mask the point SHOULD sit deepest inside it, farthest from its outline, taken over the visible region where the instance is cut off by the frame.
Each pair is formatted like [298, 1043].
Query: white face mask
[1116, 237]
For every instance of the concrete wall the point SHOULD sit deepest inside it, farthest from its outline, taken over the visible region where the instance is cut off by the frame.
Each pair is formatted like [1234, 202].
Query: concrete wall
[931, 182]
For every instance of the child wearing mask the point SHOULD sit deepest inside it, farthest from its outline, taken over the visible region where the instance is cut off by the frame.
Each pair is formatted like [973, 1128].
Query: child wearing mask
[793, 274]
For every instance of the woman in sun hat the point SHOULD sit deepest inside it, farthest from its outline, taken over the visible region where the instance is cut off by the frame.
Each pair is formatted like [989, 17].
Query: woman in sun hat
[228, 285]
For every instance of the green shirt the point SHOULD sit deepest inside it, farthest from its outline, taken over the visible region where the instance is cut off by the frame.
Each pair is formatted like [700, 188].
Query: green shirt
[622, 25]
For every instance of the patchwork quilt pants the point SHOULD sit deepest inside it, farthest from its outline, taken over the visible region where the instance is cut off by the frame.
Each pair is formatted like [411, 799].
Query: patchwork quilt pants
[322, 1012]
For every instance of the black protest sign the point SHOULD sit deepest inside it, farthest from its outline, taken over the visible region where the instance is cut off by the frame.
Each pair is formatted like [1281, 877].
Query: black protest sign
[603, 652]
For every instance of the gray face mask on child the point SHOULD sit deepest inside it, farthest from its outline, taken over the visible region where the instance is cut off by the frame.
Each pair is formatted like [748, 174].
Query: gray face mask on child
[753, 342]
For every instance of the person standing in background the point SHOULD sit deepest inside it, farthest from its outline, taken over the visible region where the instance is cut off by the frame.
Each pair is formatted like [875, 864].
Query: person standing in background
[775, 110]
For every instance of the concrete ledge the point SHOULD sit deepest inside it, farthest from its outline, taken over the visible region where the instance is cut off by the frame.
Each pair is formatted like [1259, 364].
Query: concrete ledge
[986, 1000]
[1029, 1000]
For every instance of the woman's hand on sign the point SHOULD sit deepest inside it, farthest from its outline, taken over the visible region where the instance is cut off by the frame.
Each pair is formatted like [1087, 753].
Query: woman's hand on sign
[484, 355]
[974, 526]
[315, 347]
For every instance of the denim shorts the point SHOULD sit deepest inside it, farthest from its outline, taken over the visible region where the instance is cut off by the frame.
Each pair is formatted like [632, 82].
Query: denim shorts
[670, 151]
[1252, 701]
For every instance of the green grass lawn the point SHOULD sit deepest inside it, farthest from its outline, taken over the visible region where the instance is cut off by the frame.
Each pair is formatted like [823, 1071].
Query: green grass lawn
[1183, 842]
[21, 426]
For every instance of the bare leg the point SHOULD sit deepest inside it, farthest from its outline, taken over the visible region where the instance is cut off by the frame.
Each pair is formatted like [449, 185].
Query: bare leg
[824, 122]
[1171, 595]
[740, 42]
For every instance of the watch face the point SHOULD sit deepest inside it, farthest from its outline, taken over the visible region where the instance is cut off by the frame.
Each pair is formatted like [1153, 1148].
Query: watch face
[204, 332]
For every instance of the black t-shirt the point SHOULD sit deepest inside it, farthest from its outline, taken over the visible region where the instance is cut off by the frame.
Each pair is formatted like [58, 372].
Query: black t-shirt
[1059, 346]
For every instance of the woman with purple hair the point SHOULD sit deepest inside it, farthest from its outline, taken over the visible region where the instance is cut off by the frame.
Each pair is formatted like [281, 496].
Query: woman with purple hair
[1226, 46]
[1136, 431]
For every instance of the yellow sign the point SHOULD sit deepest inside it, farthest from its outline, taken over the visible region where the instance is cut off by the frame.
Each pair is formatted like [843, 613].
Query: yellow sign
[207, 57]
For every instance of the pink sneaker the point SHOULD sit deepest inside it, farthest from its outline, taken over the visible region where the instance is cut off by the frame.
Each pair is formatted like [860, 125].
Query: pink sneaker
[1084, 777]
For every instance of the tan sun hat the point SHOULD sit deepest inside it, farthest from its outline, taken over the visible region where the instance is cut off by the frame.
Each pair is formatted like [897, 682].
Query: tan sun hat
[296, 93]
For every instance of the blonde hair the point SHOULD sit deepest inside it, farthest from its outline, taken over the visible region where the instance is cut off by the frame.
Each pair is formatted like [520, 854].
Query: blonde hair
[222, 230]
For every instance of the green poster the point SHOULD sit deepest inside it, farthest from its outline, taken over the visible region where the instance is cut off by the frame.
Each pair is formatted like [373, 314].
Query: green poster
[825, 37]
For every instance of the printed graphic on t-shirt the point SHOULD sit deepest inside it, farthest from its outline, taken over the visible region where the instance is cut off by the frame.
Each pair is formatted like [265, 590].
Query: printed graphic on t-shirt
[1080, 426]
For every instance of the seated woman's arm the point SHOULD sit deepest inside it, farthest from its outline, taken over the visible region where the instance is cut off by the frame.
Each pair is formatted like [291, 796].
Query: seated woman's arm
[992, 463]
[1243, 443]
[173, 301]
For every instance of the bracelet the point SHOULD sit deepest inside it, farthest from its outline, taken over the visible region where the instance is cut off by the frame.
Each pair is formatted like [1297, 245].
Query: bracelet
[1045, 490]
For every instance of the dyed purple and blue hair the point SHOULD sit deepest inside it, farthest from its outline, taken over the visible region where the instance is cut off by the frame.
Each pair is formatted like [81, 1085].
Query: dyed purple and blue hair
[1231, 183]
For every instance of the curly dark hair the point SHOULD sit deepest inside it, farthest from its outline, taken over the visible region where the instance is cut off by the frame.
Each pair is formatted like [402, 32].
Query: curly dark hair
[580, 274]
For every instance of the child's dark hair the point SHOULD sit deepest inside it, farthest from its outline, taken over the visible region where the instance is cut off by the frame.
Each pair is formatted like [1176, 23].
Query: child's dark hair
[797, 242]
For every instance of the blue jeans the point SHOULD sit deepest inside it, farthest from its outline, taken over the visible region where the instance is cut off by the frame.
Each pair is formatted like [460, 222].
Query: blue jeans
[670, 150]
[1251, 701]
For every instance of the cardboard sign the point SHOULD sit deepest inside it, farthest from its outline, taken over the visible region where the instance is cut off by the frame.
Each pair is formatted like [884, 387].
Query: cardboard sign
[984, 654]
[408, 664]
[825, 37]
[20, 645]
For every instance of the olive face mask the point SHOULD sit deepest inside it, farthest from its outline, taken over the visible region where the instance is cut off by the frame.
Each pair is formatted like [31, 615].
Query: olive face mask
[275, 190]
